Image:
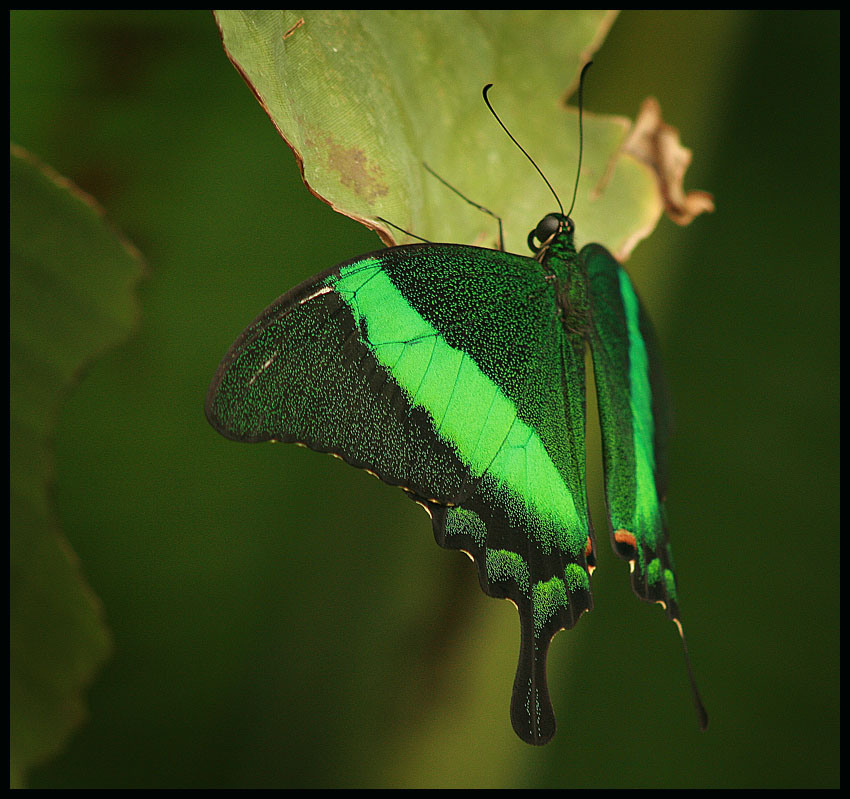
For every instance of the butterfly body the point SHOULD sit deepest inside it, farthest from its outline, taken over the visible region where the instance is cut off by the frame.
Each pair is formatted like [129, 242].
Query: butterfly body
[458, 374]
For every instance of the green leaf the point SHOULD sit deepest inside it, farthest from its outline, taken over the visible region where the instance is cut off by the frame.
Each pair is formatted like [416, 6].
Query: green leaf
[71, 297]
[364, 98]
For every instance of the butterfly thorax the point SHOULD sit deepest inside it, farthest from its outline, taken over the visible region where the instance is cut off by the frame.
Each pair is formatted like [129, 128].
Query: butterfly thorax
[564, 269]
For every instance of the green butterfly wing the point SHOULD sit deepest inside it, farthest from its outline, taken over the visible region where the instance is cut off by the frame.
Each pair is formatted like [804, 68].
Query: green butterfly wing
[302, 372]
[635, 422]
[445, 370]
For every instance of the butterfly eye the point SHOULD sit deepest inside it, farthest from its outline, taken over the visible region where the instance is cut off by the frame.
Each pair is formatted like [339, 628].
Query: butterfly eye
[546, 228]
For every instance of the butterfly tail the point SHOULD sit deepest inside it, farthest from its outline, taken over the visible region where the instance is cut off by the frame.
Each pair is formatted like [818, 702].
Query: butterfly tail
[550, 590]
[532, 715]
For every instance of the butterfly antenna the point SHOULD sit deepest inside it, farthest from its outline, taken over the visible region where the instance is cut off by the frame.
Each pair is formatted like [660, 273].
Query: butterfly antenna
[580, 131]
[522, 149]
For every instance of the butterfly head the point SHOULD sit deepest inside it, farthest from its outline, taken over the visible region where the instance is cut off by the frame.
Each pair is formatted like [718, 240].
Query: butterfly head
[548, 229]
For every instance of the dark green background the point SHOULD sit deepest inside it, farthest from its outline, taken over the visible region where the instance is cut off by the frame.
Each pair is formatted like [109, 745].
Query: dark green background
[282, 620]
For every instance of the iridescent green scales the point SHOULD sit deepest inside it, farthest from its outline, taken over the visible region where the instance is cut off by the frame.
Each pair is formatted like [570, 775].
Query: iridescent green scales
[504, 565]
[469, 411]
[457, 373]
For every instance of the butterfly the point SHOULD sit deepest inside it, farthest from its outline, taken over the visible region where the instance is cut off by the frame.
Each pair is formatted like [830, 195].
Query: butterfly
[458, 374]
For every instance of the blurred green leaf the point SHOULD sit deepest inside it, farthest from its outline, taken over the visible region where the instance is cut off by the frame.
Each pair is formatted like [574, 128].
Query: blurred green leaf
[230, 670]
[71, 283]
[365, 98]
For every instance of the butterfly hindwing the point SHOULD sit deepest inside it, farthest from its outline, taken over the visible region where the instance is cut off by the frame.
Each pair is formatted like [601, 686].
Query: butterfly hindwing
[443, 369]
[635, 422]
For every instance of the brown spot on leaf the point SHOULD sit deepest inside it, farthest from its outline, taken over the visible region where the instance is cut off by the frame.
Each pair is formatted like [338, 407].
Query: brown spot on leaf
[356, 171]
[656, 144]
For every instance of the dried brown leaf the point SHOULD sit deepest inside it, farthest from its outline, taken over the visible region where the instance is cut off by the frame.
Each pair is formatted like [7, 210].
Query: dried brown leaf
[653, 142]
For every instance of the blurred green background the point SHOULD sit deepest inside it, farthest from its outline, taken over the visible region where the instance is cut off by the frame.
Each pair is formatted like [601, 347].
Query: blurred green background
[282, 620]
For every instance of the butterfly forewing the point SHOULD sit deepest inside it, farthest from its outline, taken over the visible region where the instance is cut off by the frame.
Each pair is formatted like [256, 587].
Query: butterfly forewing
[301, 372]
[443, 369]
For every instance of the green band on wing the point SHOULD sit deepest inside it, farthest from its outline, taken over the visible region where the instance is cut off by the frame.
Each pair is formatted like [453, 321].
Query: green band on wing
[576, 578]
[547, 599]
[468, 410]
[505, 565]
[460, 521]
[656, 573]
[646, 497]
[653, 571]
[670, 582]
